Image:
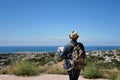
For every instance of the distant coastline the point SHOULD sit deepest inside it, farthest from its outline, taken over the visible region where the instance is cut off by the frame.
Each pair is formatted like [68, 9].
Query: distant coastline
[100, 48]
[37, 49]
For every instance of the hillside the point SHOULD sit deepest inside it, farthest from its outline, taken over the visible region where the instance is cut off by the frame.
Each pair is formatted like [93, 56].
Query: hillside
[105, 62]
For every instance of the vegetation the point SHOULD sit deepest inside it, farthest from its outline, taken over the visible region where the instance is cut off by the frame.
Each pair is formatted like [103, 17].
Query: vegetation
[113, 76]
[52, 69]
[43, 59]
[25, 69]
[50, 63]
[118, 50]
[94, 66]
[92, 71]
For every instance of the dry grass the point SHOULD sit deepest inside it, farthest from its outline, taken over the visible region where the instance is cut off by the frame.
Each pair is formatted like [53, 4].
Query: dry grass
[112, 74]
[47, 69]
[6, 70]
[53, 69]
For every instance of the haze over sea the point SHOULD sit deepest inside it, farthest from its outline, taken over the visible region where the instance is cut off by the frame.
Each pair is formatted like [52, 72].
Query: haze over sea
[10, 49]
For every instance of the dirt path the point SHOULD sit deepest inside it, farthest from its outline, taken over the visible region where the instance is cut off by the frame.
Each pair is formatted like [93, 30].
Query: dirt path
[41, 77]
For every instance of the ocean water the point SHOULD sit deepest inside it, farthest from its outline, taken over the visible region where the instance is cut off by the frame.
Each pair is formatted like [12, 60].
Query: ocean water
[99, 48]
[10, 49]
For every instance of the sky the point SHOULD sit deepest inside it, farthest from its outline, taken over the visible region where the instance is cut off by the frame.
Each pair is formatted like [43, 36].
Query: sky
[49, 22]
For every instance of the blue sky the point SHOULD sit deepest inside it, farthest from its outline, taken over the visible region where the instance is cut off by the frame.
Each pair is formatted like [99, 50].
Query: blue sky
[49, 22]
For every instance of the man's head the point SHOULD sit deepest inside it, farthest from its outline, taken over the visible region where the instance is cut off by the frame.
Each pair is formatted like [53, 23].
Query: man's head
[74, 35]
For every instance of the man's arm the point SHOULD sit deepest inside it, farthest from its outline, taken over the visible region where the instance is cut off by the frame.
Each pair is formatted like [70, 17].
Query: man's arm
[62, 53]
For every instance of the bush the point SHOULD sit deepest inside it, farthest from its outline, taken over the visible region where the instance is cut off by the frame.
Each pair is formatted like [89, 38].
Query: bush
[92, 71]
[25, 68]
[113, 76]
[4, 72]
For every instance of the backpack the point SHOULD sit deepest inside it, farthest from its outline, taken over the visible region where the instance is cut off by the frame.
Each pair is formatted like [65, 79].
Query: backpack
[77, 61]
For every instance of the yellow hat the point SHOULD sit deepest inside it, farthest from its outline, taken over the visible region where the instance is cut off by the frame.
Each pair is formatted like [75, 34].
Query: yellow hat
[74, 35]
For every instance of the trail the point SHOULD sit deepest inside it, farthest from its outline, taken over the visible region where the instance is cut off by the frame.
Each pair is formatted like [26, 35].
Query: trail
[41, 77]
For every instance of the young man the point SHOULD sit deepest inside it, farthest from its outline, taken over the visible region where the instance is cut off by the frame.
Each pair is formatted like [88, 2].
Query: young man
[66, 54]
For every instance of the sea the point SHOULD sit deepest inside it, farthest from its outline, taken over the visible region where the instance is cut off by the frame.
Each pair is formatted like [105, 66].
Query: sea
[15, 49]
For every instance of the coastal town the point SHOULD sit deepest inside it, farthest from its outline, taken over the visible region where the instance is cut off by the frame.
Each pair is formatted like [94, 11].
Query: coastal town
[107, 55]
[9, 58]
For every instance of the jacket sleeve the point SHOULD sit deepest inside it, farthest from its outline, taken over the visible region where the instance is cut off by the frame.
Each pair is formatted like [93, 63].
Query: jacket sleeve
[63, 53]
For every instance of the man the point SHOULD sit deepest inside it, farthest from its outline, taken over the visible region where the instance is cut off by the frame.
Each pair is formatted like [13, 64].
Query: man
[67, 53]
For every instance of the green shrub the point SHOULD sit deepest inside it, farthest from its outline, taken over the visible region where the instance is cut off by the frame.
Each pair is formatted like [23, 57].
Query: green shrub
[92, 71]
[113, 76]
[25, 68]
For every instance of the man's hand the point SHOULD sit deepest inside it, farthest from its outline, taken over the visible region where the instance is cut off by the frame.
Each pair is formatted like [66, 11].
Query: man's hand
[59, 50]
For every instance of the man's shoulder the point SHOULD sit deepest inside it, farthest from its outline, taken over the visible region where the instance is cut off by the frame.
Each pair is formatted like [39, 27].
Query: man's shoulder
[67, 45]
[81, 44]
